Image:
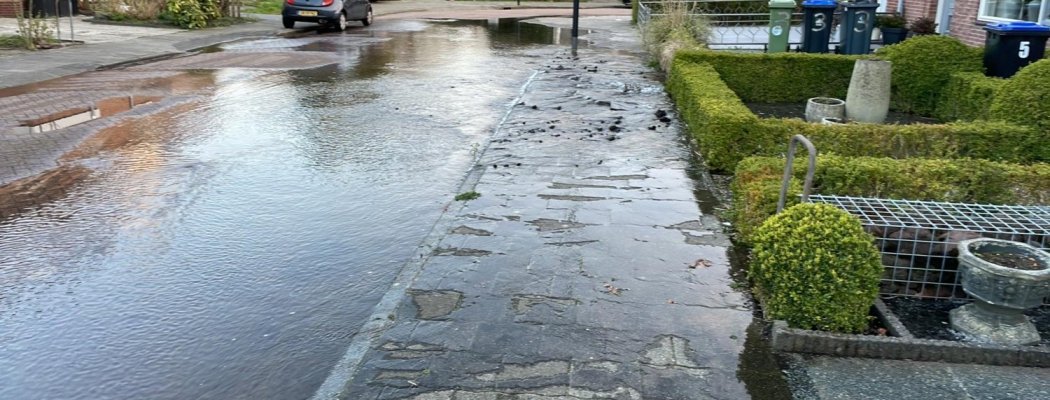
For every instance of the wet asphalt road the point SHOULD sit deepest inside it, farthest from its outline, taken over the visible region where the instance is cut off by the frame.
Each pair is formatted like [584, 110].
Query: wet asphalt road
[231, 247]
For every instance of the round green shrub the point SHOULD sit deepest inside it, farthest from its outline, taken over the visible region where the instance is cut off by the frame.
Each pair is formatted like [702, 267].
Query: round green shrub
[1022, 98]
[192, 14]
[922, 66]
[816, 268]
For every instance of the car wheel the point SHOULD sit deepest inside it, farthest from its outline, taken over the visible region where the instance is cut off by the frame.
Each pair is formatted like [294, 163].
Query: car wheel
[341, 24]
[288, 23]
[368, 17]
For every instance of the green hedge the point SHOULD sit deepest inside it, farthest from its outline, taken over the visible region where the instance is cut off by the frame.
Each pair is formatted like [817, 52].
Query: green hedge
[779, 77]
[922, 66]
[967, 96]
[756, 184]
[997, 141]
[815, 267]
[723, 127]
[726, 131]
[1025, 97]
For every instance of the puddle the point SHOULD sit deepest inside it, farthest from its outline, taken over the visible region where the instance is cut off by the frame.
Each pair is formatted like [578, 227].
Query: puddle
[53, 122]
[71, 117]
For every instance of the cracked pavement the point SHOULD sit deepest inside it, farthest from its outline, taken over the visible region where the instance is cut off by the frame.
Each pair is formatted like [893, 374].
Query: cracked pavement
[586, 269]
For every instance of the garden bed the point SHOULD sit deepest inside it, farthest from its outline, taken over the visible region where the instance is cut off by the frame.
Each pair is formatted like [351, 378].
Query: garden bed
[902, 344]
[928, 319]
[798, 110]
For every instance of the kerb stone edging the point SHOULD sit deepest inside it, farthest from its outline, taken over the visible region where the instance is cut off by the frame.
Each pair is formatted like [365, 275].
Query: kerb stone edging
[904, 347]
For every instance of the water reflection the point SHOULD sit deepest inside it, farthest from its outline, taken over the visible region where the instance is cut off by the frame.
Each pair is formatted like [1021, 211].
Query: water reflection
[230, 249]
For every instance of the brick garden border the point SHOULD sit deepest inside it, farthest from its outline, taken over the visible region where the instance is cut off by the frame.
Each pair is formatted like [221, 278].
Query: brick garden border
[903, 346]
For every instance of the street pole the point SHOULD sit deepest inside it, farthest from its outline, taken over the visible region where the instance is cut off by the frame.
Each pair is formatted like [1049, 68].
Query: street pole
[71, 37]
[575, 25]
[58, 23]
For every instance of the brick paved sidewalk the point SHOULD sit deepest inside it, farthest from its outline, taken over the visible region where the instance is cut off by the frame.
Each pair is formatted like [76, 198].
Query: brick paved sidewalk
[586, 269]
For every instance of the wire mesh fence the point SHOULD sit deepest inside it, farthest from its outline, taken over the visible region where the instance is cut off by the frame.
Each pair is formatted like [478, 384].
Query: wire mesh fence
[919, 239]
[734, 24]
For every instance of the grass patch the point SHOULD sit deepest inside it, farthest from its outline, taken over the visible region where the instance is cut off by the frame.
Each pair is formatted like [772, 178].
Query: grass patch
[228, 21]
[263, 6]
[467, 196]
[8, 41]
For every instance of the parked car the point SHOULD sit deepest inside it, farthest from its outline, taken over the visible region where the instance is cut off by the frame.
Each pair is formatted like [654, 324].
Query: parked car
[331, 13]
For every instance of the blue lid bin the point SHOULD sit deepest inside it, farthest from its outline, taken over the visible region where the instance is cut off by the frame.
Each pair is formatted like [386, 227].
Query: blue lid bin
[816, 24]
[1010, 46]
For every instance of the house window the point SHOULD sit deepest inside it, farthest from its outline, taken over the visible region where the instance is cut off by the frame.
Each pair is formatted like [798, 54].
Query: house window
[1014, 10]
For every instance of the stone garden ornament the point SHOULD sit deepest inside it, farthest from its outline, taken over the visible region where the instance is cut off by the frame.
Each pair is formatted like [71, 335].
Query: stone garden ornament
[1004, 278]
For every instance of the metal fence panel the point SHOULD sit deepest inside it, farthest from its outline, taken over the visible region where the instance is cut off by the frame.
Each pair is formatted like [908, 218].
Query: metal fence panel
[919, 239]
[734, 24]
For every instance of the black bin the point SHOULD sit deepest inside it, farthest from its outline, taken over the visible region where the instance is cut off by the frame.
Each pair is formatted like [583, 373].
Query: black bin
[816, 24]
[1010, 46]
[857, 26]
[51, 8]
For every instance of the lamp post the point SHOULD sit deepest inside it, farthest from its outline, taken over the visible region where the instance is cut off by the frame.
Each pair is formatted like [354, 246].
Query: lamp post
[575, 25]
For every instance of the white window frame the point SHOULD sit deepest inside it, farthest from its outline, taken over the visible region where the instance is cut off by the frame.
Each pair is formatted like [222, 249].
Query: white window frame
[983, 3]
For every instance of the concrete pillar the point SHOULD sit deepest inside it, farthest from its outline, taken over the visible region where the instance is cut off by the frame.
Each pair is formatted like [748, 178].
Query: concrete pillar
[868, 98]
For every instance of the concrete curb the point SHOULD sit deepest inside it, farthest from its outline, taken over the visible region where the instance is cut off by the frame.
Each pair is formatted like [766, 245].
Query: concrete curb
[902, 346]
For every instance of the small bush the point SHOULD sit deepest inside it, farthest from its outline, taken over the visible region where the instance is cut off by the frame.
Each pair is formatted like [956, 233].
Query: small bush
[968, 96]
[192, 14]
[756, 183]
[921, 69]
[923, 26]
[1023, 99]
[779, 77]
[891, 21]
[35, 30]
[674, 30]
[816, 268]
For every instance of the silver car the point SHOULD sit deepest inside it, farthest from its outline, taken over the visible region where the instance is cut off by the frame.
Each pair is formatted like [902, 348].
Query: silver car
[331, 13]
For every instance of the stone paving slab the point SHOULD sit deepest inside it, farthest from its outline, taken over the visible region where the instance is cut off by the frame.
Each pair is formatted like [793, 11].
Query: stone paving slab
[573, 275]
[819, 377]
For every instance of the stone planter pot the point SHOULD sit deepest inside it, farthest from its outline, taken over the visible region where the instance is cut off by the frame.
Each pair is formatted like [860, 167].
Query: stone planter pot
[868, 98]
[893, 35]
[1001, 291]
[819, 108]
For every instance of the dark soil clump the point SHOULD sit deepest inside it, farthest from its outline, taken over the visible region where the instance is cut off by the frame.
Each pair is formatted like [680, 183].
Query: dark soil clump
[928, 319]
[1011, 260]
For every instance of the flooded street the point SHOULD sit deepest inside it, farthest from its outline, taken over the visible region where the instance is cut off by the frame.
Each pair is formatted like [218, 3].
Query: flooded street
[229, 247]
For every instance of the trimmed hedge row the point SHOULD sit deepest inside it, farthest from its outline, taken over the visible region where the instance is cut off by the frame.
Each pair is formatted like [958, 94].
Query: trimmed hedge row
[988, 140]
[922, 66]
[779, 77]
[756, 184]
[724, 128]
[1022, 99]
[726, 131]
[967, 96]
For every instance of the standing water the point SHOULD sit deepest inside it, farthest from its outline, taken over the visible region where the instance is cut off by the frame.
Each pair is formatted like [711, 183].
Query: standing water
[231, 248]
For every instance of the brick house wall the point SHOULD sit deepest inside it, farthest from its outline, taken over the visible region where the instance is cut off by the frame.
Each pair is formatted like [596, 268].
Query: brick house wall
[964, 24]
[9, 8]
